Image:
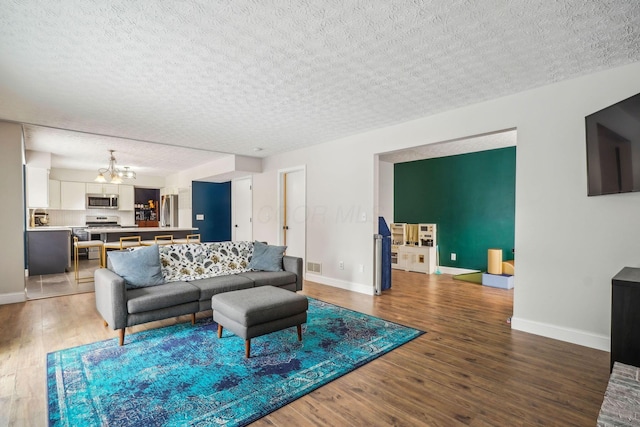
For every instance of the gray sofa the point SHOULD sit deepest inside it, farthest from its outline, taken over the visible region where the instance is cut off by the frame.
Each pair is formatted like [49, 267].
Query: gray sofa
[192, 274]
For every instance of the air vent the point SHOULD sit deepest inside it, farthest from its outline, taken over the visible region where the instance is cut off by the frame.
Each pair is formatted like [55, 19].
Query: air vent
[314, 267]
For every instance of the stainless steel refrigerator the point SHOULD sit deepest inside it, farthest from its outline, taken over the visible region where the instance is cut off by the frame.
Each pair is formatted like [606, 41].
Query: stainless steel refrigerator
[169, 210]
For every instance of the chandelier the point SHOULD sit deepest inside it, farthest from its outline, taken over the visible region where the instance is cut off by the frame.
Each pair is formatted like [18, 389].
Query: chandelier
[113, 174]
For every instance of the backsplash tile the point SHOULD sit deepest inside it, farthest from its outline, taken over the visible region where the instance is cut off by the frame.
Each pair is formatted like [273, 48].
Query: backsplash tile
[71, 218]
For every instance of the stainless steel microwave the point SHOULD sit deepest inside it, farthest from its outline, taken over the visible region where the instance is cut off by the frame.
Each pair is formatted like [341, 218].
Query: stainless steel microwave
[102, 201]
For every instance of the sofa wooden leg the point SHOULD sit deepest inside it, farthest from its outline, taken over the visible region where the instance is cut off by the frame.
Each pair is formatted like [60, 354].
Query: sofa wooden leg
[299, 332]
[247, 348]
[104, 323]
[193, 318]
[219, 330]
[121, 332]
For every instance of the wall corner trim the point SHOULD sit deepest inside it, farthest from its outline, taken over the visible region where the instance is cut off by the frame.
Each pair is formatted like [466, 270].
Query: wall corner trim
[575, 336]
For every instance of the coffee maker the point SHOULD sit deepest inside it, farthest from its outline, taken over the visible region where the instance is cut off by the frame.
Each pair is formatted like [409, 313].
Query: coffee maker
[40, 218]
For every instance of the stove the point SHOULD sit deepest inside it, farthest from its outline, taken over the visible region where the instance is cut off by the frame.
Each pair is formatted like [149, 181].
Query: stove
[107, 221]
[92, 223]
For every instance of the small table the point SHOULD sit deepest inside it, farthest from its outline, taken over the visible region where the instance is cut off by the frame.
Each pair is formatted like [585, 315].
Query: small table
[253, 312]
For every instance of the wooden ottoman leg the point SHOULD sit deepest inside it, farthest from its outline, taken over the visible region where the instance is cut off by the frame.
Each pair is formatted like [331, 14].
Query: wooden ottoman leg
[247, 348]
[299, 332]
[219, 330]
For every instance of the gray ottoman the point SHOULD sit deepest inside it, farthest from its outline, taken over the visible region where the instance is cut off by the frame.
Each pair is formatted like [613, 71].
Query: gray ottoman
[250, 313]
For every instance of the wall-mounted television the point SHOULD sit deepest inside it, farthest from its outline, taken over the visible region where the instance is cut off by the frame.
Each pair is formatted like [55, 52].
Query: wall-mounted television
[613, 148]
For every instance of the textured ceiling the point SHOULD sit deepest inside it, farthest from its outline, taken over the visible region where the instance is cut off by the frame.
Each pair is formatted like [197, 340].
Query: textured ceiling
[232, 75]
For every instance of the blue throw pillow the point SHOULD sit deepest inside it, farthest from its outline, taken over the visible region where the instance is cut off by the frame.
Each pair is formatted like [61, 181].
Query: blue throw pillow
[139, 268]
[266, 257]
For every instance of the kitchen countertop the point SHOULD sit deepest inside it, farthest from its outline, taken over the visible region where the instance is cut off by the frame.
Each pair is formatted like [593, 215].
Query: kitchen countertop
[137, 229]
[49, 228]
[122, 229]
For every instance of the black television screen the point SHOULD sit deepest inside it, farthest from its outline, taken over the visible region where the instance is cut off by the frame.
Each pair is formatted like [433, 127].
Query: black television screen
[613, 148]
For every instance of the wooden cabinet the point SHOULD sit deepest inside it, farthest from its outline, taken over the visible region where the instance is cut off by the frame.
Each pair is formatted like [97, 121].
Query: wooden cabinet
[54, 194]
[147, 223]
[625, 317]
[126, 199]
[96, 188]
[37, 187]
[72, 195]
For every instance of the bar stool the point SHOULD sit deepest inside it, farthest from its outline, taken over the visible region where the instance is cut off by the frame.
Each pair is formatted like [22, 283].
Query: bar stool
[191, 238]
[124, 243]
[85, 244]
[166, 239]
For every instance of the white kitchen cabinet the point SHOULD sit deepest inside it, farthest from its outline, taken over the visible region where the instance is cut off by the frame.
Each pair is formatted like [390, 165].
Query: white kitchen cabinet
[93, 188]
[421, 259]
[54, 194]
[96, 188]
[37, 187]
[127, 198]
[72, 195]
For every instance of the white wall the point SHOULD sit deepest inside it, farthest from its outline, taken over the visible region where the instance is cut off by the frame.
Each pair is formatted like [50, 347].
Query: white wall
[568, 246]
[11, 215]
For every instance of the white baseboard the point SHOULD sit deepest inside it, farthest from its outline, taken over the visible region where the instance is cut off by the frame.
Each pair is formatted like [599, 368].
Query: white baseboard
[12, 298]
[575, 336]
[342, 284]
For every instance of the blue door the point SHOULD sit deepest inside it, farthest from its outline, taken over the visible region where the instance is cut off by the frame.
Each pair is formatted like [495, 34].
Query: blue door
[212, 201]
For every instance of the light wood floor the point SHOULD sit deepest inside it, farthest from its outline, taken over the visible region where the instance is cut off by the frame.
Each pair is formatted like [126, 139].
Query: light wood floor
[469, 369]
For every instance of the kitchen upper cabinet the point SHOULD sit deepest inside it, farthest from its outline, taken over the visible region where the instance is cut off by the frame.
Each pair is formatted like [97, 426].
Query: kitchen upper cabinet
[72, 195]
[95, 188]
[127, 198]
[37, 187]
[54, 194]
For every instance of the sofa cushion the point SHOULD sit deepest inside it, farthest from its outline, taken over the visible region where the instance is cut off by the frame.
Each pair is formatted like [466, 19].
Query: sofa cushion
[266, 257]
[272, 278]
[161, 296]
[215, 285]
[202, 260]
[139, 268]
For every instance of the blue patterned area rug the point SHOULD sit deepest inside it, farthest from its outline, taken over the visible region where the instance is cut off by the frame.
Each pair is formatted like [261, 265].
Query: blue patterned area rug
[183, 375]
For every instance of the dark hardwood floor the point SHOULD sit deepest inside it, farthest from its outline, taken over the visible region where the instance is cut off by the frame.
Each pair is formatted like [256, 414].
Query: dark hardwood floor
[470, 368]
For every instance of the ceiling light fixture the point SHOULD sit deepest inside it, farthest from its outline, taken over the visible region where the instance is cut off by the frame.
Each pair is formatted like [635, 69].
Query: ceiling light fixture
[113, 174]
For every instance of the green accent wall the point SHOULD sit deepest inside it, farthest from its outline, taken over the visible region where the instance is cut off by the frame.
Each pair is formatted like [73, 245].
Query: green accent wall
[471, 198]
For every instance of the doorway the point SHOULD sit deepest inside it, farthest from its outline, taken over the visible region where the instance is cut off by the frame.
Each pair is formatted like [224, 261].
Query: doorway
[293, 210]
[476, 212]
[242, 206]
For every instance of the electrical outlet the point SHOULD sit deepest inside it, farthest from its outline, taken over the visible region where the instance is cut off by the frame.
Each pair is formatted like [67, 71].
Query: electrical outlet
[361, 268]
[341, 265]
[453, 256]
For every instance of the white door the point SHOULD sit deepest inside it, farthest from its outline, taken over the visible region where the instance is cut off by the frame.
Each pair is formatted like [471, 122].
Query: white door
[294, 212]
[241, 196]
